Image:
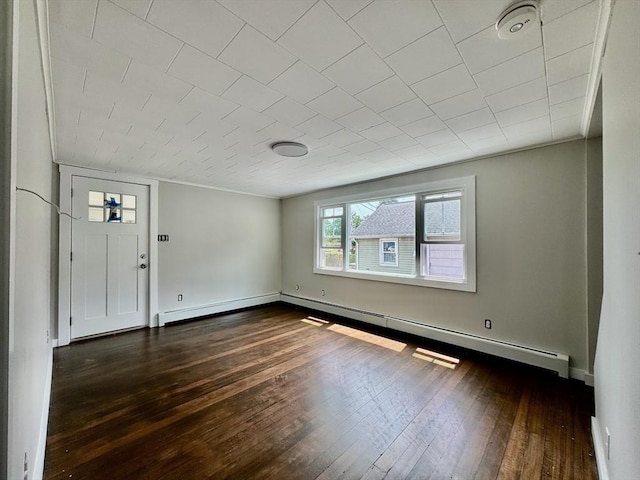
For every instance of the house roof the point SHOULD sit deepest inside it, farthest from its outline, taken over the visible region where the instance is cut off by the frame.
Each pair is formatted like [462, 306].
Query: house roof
[389, 220]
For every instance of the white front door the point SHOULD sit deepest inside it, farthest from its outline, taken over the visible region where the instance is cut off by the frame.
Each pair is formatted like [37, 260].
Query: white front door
[109, 256]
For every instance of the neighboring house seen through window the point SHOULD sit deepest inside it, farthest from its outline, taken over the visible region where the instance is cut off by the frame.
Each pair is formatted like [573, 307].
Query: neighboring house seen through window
[420, 235]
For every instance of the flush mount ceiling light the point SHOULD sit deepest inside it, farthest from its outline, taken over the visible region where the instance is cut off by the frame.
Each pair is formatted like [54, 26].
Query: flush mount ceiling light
[517, 19]
[290, 149]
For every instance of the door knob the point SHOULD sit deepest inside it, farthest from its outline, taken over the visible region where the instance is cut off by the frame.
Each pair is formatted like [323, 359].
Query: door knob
[143, 266]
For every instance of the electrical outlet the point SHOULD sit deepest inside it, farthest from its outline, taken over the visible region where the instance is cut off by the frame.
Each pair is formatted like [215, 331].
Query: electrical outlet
[26, 467]
[323, 293]
[179, 297]
[297, 287]
[607, 443]
[487, 323]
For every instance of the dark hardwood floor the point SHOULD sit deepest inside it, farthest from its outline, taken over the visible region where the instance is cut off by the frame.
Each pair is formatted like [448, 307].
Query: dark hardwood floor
[274, 393]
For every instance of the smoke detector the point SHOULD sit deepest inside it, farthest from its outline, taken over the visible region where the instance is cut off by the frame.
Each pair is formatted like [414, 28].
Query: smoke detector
[517, 19]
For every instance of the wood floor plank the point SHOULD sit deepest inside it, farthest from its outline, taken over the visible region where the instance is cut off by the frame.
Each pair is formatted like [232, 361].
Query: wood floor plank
[262, 394]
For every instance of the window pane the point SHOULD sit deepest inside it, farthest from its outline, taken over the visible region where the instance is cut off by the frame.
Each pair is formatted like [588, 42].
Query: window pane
[128, 216]
[113, 199]
[96, 199]
[382, 236]
[332, 232]
[331, 258]
[114, 215]
[129, 201]
[96, 214]
[442, 220]
[443, 260]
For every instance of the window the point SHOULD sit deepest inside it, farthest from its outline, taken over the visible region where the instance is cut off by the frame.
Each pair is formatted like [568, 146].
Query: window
[419, 235]
[389, 252]
[107, 207]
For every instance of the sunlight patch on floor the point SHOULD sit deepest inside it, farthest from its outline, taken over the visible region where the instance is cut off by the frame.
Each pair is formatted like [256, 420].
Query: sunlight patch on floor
[369, 337]
[437, 358]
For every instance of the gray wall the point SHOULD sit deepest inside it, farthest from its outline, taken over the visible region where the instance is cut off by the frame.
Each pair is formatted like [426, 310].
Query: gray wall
[30, 354]
[223, 246]
[617, 383]
[531, 250]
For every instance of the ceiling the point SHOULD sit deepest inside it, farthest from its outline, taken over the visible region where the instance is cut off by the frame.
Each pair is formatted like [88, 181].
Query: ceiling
[197, 90]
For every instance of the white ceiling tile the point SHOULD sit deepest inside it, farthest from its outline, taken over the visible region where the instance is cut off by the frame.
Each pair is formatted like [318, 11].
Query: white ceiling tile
[280, 132]
[80, 52]
[348, 8]
[407, 112]
[248, 119]
[155, 81]
[424, 126]
[529, 127]
[471, 120]
[253, 54]
[342, 138]
[437, 138]
[140, 8]
[387, 26]
[459, 105]
[520, 95]
[272, 18]
[68, 80]
[246, 91]
[569, 65]
[177, 114]
[320, 37]
[381, 132]
[362, 147]
[77, 16]
[289, 112]
[122, 31]
[102, 90]
[425, 57]
[486, 131]
[464, 18]
[567, 109]
[568, 90]
[202, 71]
[553, 10]
[511, 73]
[206, 102]
[319, 126]
[523, 113]
[413, 152]
[335, 103]
[485, 50]
[139, 119]
[396, 143]
[571, 31]
[360, 119]
[567, 127]
[445, 85]
[302, 83]
[204, 25]
[386, 94]
[358, 71]
[449, 149]
[312, 142]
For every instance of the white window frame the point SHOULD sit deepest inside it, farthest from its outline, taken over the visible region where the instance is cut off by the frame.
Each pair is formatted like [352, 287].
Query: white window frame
[468, 234]
[382, 261]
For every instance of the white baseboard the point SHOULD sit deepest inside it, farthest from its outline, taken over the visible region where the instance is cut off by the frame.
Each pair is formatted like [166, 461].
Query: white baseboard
[38, 464]
[558, 362]
[203, 310]
[599, 447]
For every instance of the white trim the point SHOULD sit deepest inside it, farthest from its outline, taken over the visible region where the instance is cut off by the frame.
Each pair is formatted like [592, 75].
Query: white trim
[558, 362]
[598, 446]
[213, 308]
[600, 45]
[64, 251]
[42, 18]
[38, 464]
[582, 375]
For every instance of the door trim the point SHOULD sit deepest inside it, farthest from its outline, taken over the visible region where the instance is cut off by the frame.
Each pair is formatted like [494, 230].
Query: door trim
[64, 250]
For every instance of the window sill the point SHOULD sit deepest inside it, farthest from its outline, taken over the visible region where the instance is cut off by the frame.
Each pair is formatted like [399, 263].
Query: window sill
[462, 286]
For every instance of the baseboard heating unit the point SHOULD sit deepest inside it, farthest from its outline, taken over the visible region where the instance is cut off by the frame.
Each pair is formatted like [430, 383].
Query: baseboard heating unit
[211, 309]
[557, 362]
